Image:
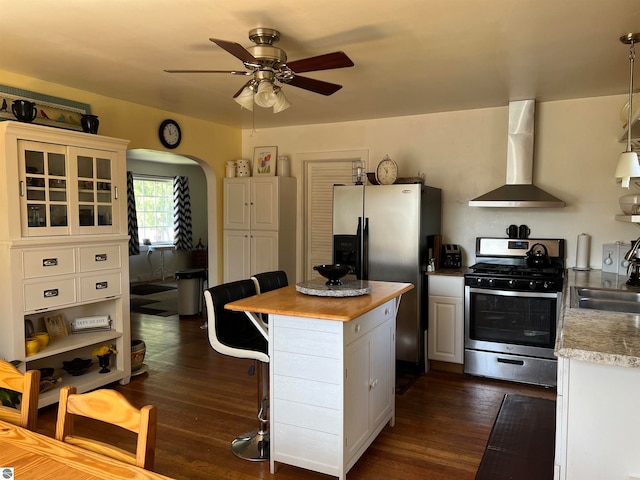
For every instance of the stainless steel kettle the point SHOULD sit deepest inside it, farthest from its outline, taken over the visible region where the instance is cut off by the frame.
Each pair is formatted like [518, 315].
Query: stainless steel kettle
[538, 257]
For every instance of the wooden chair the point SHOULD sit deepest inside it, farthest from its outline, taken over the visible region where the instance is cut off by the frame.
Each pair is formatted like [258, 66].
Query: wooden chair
[111, 407]
[28, 385]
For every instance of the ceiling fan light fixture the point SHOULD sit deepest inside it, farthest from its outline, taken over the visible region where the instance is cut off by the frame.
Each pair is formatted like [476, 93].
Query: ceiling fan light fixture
[628, 165]
[245, 99]
[266, 94]
[281, 102]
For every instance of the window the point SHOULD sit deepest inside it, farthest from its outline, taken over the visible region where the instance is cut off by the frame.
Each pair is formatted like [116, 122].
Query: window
[154, 206]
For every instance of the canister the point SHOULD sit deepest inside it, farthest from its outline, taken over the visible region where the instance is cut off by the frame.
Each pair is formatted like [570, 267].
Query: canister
[242, 168]
[231, 169]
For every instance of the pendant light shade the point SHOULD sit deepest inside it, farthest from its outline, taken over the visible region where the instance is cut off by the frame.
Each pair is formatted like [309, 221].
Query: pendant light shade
[628, 166]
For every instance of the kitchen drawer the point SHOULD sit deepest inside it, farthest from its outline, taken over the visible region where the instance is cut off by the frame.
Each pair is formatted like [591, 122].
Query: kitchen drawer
[45, 263]
[49, 294]
[446, 285]
[367, 322]
[99, 257]
[100, 286]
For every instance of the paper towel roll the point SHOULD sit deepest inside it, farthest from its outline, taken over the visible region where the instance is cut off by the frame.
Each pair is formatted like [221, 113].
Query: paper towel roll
[582, 252]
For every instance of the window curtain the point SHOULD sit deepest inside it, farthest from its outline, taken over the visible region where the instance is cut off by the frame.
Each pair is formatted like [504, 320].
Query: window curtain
[183, 238]
[132, 217]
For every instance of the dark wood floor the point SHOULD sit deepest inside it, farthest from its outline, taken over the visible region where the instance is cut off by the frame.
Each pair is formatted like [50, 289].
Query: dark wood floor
[206, 399]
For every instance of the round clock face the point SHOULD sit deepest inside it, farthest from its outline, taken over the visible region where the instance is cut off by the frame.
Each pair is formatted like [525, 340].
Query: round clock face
[387, 172]
[170, 134]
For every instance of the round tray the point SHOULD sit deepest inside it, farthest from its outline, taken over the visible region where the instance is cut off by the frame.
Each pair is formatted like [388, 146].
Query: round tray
[319, 288]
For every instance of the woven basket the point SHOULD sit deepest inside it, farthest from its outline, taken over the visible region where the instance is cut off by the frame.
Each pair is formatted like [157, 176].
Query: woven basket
[138, 349]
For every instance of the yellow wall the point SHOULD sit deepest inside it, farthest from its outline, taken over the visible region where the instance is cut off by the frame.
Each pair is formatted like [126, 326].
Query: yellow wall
[207, 142]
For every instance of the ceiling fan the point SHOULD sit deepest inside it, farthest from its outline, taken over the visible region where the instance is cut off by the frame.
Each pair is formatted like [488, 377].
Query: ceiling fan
[268, 67]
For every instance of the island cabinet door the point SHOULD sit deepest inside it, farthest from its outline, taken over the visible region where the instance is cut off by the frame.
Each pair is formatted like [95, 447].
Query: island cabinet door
[369, 373]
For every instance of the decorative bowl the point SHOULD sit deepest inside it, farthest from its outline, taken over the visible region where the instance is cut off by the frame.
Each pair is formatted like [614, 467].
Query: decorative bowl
[630, 204]
[333, 272]
[77, 366]
[371, 176]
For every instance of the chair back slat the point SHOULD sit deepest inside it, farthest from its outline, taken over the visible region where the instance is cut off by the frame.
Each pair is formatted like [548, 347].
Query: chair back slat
[28, 385]
[108, 406]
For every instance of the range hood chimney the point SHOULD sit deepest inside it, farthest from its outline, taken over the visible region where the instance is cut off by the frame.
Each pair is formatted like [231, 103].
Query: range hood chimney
[519, 190]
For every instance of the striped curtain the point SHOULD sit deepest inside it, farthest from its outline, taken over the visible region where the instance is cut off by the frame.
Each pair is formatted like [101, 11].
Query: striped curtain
[132, 217]
[182, 234]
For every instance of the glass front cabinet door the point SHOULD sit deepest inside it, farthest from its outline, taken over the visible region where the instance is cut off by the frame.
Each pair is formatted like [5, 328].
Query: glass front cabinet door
[44, 189]
[66, 190]
[94, 206]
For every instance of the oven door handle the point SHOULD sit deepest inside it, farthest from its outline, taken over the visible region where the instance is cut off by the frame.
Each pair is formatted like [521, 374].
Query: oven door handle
[514, 293]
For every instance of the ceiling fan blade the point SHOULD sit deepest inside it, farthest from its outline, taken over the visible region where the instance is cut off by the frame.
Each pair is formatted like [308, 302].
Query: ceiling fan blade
[232, 72]
[313, 85]
[327, 61]
[236, 50]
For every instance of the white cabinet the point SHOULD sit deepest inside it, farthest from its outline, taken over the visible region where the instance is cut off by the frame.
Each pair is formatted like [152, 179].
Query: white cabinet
[259, 226]
[597, 421]
[63, 247]
[332, 387]
[446, 318]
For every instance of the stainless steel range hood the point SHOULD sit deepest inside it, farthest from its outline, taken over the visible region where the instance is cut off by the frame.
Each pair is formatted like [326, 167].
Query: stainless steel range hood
[519, 190]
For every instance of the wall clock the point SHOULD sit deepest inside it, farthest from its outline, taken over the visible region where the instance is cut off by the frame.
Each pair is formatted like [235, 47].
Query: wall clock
[387, 171]
[170, 134]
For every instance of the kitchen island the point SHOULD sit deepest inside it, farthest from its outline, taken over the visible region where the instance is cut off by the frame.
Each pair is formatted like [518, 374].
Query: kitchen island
[331, 373]
[597, 421]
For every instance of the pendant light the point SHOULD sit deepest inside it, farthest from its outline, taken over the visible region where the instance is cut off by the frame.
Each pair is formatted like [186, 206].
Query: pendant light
[628, 165]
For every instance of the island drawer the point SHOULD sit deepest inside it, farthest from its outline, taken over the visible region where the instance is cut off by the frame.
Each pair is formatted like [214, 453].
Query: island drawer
[367, 322]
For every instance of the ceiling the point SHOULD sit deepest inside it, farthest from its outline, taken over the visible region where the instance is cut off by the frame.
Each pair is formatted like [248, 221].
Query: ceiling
[411, 56]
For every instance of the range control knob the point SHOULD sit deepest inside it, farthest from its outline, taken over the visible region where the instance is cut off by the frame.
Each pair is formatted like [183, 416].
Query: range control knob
[533, 284]
[492, 282]
[512, 283]
[479, 281]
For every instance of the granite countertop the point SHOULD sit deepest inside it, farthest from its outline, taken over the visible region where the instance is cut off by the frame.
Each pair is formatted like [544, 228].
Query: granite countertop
[596, 335]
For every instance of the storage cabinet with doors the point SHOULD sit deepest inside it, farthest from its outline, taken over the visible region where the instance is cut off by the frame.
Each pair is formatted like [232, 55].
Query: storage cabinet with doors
[63, 248]
[259, 226]
[445, 333]
[52, 203]
[332, 387]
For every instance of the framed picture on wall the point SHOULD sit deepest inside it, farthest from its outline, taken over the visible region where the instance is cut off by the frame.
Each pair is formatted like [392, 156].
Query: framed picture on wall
[264, 161]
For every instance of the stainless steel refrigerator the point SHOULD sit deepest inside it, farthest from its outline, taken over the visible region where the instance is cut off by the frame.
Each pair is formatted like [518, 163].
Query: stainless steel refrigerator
[382, 231]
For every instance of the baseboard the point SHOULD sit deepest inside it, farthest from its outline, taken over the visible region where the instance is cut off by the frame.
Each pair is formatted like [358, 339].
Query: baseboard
[447, 366]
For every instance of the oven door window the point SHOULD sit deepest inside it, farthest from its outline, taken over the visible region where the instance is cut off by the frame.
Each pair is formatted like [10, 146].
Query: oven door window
[520, 320]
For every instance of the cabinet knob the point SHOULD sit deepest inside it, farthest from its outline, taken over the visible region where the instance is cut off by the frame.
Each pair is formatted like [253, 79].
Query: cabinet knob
[373, 384]
[358, 328]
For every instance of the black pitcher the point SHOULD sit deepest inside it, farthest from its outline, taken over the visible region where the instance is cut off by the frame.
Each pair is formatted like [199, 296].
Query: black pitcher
[24, 110]
[89, 123]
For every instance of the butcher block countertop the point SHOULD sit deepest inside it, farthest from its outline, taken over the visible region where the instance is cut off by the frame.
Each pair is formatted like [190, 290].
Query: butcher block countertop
[287, 301]
[598, 336]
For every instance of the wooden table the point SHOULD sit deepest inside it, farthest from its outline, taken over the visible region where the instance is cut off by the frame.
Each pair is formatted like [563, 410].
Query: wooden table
[331, 373]
[35, 456]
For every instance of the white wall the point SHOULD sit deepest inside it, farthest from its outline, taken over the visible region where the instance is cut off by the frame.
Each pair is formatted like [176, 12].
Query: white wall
[464, 154]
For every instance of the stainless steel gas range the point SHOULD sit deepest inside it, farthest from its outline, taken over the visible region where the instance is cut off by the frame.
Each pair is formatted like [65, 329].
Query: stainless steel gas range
[512, 309]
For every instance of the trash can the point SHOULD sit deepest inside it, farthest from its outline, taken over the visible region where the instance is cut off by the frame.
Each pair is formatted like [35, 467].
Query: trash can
[190, 290]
